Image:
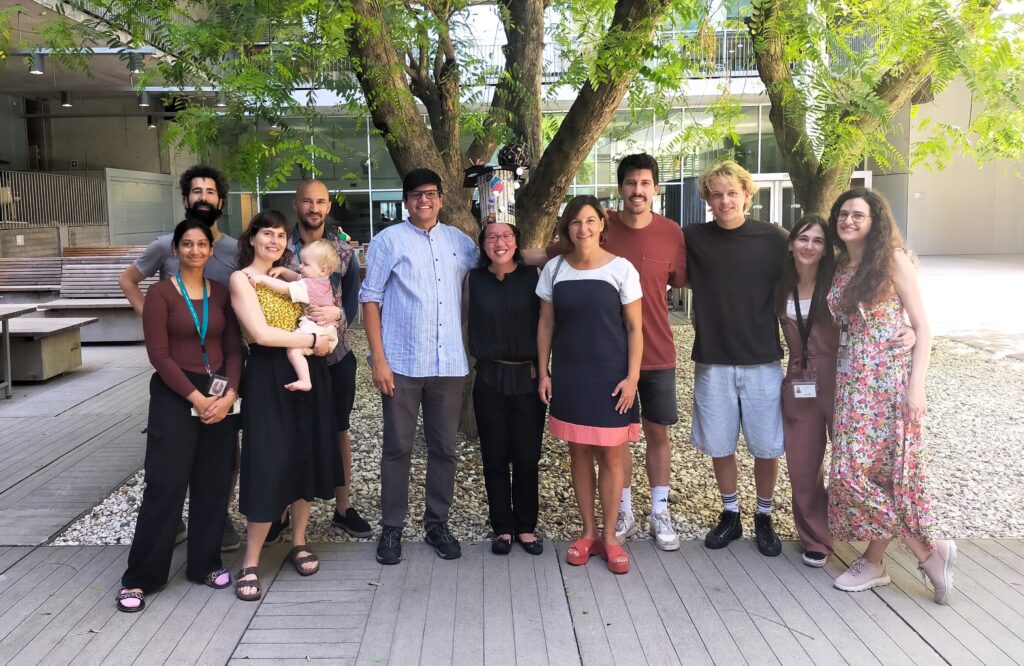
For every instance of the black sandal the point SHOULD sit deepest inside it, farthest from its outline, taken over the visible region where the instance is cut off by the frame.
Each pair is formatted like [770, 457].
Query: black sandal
[297, 561]
[125, 594]
[255, 582]
[277, 528]
[211, 579]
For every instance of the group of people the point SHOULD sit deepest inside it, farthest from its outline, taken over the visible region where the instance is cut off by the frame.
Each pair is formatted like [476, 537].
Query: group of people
[584, 342]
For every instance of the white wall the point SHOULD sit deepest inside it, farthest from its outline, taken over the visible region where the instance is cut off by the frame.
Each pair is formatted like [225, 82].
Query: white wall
[139, 206]
[965, 209]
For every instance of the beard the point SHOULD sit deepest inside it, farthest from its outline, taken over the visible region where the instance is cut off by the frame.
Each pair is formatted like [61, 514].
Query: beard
[204, 212]
[311, 225]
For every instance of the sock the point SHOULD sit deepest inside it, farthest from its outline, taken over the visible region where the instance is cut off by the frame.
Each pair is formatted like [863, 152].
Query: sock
[731, 502]
[764, 505]
[626, 501]
[659, 499]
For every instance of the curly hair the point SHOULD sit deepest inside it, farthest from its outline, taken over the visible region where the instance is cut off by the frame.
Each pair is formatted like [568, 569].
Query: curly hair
[267, 219]
[637, 162]
[572, 209]
[203, 171]
[873, 279]
[728, 169]
[822, 279]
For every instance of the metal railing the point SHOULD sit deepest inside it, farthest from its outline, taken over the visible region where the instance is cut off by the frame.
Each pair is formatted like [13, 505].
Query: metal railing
[44, 199]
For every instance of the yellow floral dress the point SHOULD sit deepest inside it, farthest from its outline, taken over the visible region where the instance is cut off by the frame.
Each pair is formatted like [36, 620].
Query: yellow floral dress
[278, 310]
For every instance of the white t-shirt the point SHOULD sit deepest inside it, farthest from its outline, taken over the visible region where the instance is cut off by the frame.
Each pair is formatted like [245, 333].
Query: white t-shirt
[805, 308]
[618, 272]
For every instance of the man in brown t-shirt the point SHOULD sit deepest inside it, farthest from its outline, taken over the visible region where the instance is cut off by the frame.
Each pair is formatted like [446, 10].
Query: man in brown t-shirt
[655, 246]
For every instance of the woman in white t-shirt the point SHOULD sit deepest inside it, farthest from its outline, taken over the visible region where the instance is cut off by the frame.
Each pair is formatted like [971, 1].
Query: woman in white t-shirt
[590, 328]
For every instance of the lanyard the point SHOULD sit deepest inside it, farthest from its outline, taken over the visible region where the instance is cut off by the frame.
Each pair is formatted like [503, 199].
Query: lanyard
[200, 329]
[803, 327]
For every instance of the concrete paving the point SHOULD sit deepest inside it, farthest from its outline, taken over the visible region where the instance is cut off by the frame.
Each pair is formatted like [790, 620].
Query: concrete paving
[977, 299]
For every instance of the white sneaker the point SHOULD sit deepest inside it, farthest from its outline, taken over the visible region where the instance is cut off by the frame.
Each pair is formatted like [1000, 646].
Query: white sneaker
[625, 526]
[663, 532]
[862, 575]
[938, 569]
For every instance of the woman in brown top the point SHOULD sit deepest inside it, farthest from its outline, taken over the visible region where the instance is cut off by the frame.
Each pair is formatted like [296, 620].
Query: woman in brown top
[193, 342]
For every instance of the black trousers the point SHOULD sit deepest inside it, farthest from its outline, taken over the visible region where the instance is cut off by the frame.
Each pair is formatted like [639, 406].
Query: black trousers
[181, 454]
[511, 428]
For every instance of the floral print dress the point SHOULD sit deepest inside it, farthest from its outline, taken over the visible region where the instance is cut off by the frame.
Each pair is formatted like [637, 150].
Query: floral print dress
[877, 481]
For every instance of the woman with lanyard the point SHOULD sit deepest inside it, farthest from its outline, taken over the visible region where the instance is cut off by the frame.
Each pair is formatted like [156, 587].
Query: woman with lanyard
[503, 314]
[193, 342]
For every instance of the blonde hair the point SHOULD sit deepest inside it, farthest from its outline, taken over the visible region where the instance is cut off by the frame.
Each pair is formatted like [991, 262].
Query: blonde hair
[728, 169]
[325, 254]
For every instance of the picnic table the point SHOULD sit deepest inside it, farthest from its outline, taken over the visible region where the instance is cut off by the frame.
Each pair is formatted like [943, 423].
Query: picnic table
[8, 312]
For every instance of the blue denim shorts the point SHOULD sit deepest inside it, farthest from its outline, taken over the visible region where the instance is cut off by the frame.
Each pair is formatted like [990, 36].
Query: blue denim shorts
[726, 397]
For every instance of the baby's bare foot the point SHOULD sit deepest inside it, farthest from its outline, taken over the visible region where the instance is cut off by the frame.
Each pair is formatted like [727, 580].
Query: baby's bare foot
[299, 385]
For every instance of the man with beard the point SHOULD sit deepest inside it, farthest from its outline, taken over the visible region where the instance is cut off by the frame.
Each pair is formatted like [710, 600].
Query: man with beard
[312, 206]
[654, 245]
[203, 190]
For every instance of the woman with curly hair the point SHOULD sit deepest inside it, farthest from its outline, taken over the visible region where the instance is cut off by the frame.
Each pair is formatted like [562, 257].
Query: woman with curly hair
[877, 483]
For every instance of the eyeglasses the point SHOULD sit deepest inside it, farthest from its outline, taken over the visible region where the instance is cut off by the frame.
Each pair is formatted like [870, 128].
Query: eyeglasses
[857, 216]
[504, 238]
[429, 195]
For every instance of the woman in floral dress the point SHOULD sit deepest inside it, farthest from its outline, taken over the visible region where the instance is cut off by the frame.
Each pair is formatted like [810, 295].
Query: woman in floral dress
[877, 483]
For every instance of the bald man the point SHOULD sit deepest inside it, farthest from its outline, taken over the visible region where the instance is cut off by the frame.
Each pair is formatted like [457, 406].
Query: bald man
[312, 206]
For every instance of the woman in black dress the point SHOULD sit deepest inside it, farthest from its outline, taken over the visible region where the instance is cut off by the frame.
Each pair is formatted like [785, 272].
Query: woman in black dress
[289, 446]
[191, 338]
[503, 314]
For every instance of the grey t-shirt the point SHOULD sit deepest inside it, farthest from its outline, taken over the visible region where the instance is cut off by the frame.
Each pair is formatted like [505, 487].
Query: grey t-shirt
[158, 257]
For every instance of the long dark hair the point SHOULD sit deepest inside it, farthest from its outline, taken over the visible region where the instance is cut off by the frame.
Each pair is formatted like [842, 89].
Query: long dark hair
[874, 277]
[517, 256]
[822, 279]
[267, 219]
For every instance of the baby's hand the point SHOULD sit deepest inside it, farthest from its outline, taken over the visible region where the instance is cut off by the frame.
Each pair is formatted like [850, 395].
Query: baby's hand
[278, 272]
[255, 279]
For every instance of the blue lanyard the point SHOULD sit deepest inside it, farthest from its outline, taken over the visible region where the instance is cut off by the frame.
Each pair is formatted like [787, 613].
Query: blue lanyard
[200, 329]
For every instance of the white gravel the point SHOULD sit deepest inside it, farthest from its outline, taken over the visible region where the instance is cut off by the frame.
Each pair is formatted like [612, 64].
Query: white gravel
[974, 430]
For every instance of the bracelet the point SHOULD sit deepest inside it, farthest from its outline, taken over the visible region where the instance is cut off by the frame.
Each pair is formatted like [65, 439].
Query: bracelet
[314, 342]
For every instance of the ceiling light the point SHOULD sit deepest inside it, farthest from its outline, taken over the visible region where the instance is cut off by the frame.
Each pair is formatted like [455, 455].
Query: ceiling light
[144, 98]
[134, 63]
[37, 63]
[65, 99]
[151, 122]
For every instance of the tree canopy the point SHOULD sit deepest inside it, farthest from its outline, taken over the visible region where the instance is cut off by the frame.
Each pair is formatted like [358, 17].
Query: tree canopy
[836, 74]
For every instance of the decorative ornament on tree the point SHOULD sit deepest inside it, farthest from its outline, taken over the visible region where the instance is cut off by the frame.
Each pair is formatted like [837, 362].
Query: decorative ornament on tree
[497, 186]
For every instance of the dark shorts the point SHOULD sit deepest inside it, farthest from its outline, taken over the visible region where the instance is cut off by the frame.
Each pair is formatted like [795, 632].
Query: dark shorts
[657, 391]
[343, 387]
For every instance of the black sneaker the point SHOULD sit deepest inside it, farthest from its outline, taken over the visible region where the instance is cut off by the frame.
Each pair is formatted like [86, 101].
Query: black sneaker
[230, 541]
[444, 542]
[728, 529]
[767, 542]
[352, 523]
[181, 533]
[389, 547]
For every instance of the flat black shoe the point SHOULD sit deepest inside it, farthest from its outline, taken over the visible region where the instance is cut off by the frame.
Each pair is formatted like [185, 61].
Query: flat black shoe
[727, 530]
[501, 546]
[180, 535]
[352, 523]
[444, 542]
[277, 528]
[535, 547]
[389, 547]
[767, 542]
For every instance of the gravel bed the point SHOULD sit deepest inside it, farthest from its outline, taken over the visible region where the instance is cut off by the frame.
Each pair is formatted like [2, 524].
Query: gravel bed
[974, 431]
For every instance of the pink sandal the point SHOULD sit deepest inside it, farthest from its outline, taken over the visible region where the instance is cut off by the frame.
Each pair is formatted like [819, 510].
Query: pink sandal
[583, 549]
[618, 560]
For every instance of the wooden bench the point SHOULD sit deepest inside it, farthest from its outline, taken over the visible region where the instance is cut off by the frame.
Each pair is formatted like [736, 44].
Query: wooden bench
[89, 288]
[28, 279]
[104, 250]
[45, 347]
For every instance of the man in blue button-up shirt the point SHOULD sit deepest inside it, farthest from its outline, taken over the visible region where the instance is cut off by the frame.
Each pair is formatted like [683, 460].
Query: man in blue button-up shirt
[412, 310]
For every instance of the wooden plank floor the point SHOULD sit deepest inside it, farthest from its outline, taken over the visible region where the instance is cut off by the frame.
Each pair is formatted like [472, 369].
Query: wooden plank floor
[68, 442]
[695, 606]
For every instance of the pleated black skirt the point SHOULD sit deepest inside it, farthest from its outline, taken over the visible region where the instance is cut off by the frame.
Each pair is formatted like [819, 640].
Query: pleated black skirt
[289, 438]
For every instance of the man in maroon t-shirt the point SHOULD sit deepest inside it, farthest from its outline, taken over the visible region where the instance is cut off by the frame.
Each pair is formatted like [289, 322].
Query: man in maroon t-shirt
[655, 246]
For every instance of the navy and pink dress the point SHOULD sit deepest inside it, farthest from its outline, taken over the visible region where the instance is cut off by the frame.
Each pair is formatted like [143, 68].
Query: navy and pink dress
[589, 351]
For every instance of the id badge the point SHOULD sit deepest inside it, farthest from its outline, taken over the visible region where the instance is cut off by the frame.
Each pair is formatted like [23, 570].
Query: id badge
[218, 386]
[805, 389]
[843, 366]
[844, 337]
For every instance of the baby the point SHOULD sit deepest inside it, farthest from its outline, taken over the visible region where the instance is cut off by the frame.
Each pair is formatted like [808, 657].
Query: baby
[311, 287]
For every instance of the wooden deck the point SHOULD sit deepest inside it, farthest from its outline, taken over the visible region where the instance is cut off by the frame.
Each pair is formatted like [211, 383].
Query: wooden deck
[695, 606]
